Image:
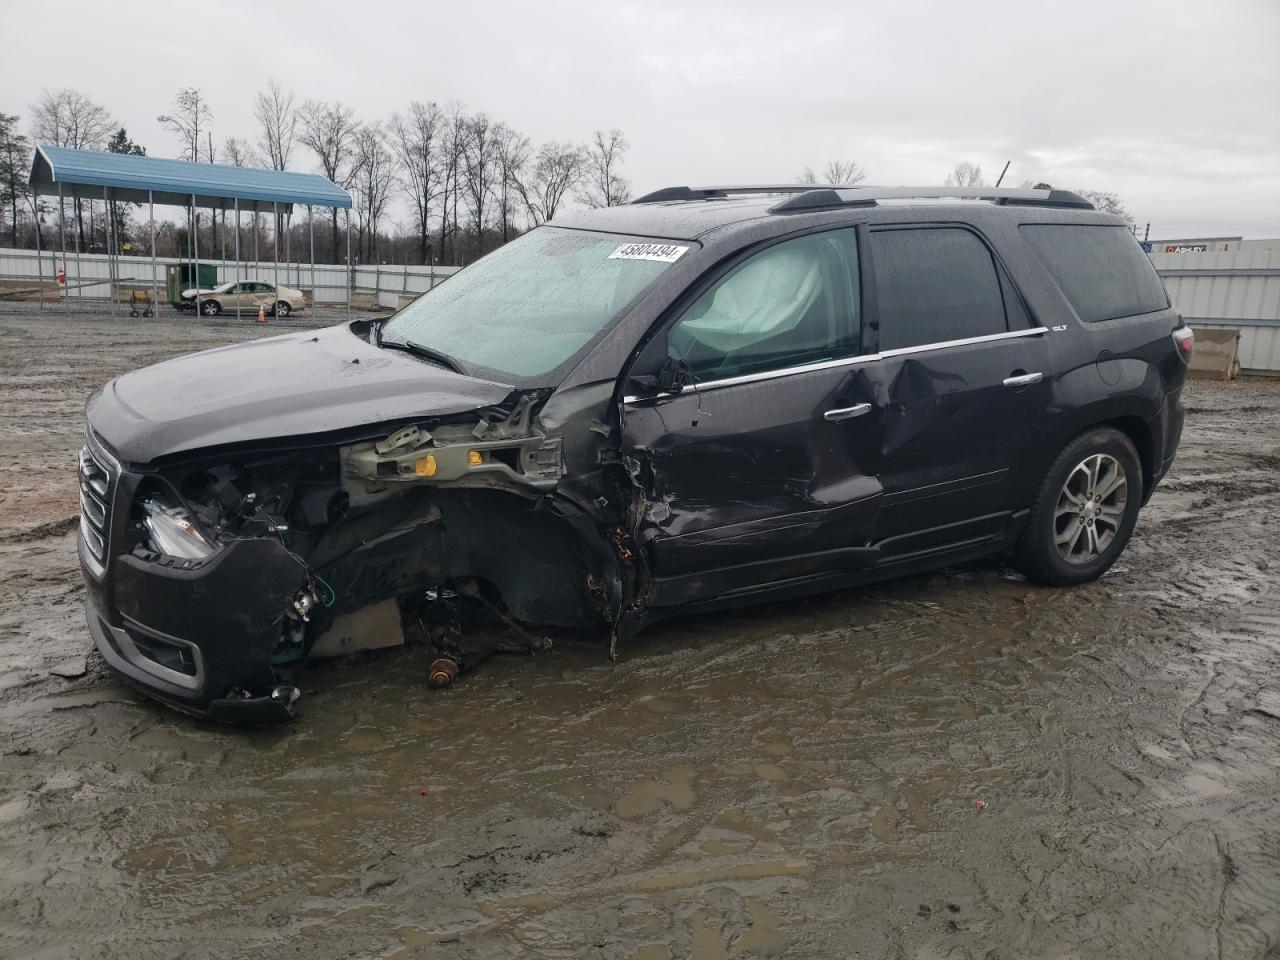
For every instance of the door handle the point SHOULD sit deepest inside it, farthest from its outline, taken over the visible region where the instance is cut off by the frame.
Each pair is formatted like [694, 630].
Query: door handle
[1025, 380]
[847, 413]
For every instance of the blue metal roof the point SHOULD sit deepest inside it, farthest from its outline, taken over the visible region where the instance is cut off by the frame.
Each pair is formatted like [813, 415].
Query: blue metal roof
[133, 179]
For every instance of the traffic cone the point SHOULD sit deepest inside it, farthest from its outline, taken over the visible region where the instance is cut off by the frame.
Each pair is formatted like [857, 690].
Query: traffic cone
[262, 314]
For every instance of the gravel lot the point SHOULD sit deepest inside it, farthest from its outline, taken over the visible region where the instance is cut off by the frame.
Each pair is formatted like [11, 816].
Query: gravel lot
[959, 765]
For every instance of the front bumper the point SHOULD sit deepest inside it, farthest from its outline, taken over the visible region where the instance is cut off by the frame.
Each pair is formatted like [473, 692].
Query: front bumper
[198, 637]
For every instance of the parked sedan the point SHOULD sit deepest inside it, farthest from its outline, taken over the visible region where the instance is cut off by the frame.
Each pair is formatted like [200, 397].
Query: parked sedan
[248, 295]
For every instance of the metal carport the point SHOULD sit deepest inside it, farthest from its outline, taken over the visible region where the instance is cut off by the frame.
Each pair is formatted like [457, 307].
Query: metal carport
[94, 175]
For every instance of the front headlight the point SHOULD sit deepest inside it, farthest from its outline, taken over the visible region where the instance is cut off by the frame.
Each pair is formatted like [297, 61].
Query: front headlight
[173, 533]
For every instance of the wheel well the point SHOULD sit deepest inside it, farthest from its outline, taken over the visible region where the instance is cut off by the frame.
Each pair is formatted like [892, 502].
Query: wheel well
[1139, 433]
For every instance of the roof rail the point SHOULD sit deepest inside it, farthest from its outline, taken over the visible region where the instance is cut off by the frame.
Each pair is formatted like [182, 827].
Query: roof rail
[719, 193]
[820, 197]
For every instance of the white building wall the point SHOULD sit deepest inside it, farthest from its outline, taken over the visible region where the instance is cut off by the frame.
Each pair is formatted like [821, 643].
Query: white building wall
[1231, 288]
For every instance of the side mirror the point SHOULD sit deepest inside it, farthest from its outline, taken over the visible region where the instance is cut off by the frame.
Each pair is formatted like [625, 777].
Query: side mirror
[674, 376]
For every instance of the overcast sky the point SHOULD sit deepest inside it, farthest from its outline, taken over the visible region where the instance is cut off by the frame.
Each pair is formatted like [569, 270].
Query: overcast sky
[1174, 105]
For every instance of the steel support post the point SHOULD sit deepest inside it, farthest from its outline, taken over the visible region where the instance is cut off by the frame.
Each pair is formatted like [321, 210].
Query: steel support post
[151, 218]
[311, 235]
[35, 217]
[275, 255]
[238, 280]
[195, 241]
[62, 229]
[111, 247]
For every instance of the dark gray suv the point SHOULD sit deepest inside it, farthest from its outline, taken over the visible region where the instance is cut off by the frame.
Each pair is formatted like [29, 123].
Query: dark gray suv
[708, 397]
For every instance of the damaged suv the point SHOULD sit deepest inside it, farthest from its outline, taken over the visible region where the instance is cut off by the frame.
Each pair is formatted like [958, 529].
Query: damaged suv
[706, 398]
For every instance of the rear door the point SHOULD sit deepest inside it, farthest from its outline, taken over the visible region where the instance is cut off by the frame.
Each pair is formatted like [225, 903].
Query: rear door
[241, 298]
[964, 383]
[761, 470]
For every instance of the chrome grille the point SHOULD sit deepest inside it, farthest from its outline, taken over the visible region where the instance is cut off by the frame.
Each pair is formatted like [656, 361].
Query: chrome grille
[95, 504]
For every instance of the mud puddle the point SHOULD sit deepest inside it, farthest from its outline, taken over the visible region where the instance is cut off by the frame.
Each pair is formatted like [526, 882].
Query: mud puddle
[959, 765]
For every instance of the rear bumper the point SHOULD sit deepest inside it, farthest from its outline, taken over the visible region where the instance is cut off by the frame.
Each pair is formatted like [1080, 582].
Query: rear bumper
[1168, 430]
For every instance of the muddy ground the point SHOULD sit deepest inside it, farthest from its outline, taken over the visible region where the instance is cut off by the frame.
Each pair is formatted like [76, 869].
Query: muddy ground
[959, 765]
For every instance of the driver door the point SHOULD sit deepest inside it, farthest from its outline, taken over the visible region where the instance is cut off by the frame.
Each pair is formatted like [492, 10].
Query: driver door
[762, 470]
[241, 298]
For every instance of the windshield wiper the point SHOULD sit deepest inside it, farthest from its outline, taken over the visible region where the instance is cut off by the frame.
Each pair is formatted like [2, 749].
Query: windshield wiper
[421, 350]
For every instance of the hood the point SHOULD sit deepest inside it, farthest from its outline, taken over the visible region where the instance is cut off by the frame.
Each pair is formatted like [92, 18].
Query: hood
[311, 382]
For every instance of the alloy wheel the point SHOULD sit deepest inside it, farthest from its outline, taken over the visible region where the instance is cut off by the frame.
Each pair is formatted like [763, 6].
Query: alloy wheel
[1090, 509]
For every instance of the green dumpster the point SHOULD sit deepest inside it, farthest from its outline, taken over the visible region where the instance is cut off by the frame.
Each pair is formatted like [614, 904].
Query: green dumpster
[178, 278]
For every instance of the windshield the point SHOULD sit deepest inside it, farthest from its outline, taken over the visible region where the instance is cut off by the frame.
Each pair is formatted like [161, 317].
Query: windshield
[521, 313]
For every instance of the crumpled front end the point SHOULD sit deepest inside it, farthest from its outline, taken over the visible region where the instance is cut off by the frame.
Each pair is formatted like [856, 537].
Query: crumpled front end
[214, 577]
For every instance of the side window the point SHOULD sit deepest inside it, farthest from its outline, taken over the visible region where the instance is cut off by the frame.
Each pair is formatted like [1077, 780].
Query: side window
[1101, 269]
[796, 302]
[934, 285]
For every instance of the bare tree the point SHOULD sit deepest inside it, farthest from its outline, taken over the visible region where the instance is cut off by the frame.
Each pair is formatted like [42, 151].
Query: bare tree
[835, 172]
[511, 152]
[457, 131]
[1107, 202]
[328, 131]
[69, 118]
[190, 116]
[278, 121]
[238, 153]
[417, 139]
[965, 174]
[480, 172]
[605, 187]
[557, 170]
[375, 173]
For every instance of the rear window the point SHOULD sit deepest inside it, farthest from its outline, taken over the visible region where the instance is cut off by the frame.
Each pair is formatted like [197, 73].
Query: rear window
[1101, 270]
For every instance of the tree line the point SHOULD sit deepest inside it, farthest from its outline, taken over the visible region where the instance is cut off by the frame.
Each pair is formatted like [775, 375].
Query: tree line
[470, 182]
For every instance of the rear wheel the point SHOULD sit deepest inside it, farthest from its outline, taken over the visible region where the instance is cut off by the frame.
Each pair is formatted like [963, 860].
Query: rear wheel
[211, 308]
[282, 309]
[1085, 511]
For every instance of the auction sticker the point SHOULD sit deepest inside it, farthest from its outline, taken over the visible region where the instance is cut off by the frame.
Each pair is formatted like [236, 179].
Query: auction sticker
[661, 252]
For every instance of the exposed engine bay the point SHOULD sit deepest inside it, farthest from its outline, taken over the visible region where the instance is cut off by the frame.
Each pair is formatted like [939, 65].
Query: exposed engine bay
[462, 533]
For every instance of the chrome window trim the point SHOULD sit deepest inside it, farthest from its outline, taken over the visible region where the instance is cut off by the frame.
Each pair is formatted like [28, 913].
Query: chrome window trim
[965, 342]
[843, 362]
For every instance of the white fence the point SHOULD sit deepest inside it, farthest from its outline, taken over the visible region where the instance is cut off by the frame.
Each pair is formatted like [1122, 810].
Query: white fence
[1233, 288]
[88, 275]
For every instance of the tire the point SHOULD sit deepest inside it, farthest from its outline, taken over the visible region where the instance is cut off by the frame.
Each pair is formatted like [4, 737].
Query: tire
[210, 308]
[1082, 518]
[282, 309]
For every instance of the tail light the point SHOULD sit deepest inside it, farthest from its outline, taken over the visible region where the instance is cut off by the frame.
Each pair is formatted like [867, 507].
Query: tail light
[1185, 339]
